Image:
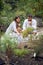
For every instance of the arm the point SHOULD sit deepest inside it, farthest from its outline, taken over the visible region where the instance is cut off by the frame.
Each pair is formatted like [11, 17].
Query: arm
[15, 29]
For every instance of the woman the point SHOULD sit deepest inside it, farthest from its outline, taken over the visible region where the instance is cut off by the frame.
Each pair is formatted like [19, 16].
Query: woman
[12, 29]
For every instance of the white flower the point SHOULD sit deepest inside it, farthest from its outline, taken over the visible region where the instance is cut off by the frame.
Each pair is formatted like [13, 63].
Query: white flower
[29, 35]
[6, 44]
[34, 55]
[2, 38]
[10, 34]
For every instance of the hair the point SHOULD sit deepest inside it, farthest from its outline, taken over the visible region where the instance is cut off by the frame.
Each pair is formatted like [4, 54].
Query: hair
[30, 15]
[16, 17]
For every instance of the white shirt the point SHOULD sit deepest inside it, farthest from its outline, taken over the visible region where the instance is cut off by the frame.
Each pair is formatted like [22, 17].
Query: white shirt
[11, 28]
[26, 24]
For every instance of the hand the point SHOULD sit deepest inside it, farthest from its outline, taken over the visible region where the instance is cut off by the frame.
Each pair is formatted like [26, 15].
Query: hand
[18, 33]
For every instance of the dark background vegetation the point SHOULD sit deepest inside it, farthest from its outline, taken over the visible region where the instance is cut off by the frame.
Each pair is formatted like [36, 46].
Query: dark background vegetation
[11, 8]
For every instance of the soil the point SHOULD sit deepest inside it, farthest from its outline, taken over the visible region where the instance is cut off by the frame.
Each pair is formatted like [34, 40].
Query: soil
[25, 60]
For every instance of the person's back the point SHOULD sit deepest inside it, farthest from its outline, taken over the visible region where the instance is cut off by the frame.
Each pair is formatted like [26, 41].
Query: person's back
[11, 27]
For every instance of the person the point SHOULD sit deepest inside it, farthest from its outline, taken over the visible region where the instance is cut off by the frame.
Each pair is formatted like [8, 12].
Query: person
[12, 27]
[14, 30]
[30, 22]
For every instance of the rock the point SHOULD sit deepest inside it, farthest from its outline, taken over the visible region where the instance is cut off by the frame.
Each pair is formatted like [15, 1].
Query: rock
[39, 21]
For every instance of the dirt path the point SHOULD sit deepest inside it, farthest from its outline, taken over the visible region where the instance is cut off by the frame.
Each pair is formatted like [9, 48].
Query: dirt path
[27, 60]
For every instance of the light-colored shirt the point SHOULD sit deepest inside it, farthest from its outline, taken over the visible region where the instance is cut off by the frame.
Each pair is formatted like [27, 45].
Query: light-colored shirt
[11, 28]
[26, 24]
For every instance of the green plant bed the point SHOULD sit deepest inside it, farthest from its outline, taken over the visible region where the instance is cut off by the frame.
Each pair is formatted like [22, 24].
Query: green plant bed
[11, 44]
[21, 52]
[6, 41]
[29, 30]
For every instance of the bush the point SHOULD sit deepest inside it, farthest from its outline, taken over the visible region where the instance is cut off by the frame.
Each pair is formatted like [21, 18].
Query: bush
[9, 45]
[21, 52]
[27, 31]
[6, 41]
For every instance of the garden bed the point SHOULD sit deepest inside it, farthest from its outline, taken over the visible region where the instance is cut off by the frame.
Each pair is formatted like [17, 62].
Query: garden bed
[24, 60]
[22, 54]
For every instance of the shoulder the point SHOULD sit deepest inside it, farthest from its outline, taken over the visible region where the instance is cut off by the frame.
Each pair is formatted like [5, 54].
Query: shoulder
[34, 20]
[13, 23]
[25, 21]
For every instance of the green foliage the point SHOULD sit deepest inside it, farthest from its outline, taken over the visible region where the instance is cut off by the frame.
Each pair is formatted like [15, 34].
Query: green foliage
[21, 5]
[1, 5]
[11, 44]
[6, 41]
[21, 52]
[27, 31]
[12, 8]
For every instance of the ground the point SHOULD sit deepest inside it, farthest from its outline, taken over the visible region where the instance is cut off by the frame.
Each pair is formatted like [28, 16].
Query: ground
[27, 59]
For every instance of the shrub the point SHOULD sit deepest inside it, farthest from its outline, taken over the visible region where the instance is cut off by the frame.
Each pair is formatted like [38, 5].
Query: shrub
[27, 31]
[21, 52]
[9, 45]
[6, 41]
